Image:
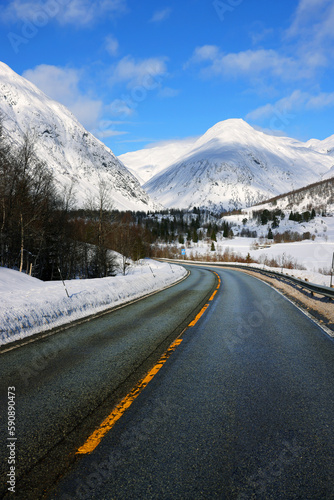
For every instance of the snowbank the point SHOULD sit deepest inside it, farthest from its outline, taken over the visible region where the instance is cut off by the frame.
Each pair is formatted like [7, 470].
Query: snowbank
[310, 276]
[29, 306]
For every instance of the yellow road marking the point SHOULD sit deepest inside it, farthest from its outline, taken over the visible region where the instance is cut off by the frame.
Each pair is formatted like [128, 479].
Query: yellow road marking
[96, 437]
[218, 286]
[202, 311]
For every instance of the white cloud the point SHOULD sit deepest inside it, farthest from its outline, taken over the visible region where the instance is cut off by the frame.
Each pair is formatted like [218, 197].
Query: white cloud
[296, 101]
[205, 53]
[112, 45]
[107, 128]
[308, 15]
[167, 92]
[161, 15]
[104, 134]
[62, 85]
[306, 50]
[255, 63]
[146, 72]
[320, 101]
[59, 83]
[87, 111]
[259, 32]
[119, 107]
[129, 141]
[75, 12]
[185, 141]
[311, 31]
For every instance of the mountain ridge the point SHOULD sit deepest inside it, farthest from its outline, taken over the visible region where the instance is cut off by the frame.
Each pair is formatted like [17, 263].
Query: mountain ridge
[233, 165]
[71, 152]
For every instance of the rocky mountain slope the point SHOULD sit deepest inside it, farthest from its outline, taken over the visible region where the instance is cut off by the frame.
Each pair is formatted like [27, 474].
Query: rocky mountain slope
[72, 153]
[233, 165]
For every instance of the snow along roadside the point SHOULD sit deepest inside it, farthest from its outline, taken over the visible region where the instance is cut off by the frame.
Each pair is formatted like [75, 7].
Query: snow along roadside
[29, 306]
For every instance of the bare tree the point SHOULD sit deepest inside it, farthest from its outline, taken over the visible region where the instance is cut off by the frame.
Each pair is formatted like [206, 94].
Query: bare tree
[101, 206]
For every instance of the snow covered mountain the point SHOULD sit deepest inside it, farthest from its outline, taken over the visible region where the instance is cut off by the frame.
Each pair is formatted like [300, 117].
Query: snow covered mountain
[146, 163]
[233, 165]
[72, 153]
[326, 146]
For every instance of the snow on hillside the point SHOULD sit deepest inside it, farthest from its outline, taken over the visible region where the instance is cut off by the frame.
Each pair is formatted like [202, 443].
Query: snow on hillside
[233, 165]
[146, 163]
[321, 198]
[72, 153]
[314, 255]
[29, 306]
[326, 146]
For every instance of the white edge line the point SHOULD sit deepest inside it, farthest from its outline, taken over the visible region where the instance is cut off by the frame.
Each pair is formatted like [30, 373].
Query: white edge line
[326, 330]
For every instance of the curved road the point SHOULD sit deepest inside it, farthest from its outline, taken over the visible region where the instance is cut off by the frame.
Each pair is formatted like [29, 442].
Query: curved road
[243, 408]
[67, 383]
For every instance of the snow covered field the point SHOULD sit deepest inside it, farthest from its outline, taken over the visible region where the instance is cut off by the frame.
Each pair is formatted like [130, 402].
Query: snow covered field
[315, 256]
[29, 306]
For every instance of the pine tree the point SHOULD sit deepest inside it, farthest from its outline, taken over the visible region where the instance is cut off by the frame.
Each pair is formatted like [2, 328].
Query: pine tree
[275, 222]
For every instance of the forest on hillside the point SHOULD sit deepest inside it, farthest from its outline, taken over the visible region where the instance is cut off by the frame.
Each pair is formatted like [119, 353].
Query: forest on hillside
[42, 235]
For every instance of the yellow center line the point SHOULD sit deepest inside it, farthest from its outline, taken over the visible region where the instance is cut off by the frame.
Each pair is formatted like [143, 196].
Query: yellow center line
[96, 437]
[202, 311]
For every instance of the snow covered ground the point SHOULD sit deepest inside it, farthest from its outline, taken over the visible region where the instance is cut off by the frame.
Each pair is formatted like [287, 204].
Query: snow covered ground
[29, 306]
[315, 256]
[312, 255]
[311, 277]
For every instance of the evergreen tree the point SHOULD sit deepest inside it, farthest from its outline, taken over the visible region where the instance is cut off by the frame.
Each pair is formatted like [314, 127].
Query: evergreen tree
[275, 222]
[181, 239]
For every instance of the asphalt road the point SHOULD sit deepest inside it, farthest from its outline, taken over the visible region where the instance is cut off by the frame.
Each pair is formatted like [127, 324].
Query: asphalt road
[66, 384]
[243, 408]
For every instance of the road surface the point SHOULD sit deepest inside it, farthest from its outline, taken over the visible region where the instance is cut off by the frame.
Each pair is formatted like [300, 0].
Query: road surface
[66, 384]
[242, 407]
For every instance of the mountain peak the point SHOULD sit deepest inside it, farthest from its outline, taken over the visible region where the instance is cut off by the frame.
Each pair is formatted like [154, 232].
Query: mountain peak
[226, 131]
[67, 148]
[233, 166]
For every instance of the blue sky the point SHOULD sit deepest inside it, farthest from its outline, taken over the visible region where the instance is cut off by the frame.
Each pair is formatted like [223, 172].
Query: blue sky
[140, 72]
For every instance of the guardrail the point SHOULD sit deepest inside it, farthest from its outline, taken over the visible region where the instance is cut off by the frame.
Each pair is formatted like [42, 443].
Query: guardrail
[319, 289]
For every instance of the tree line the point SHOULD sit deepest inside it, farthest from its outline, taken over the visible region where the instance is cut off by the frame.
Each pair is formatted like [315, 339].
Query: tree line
[42, 235]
